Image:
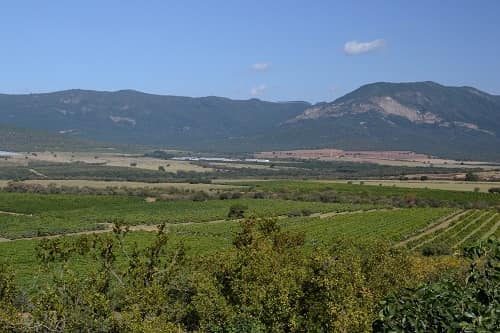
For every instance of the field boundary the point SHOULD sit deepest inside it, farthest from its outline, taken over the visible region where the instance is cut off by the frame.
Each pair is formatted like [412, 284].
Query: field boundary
[14, 214]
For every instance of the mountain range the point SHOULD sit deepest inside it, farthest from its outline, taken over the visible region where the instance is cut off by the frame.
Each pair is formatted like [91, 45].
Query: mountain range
[425, 117]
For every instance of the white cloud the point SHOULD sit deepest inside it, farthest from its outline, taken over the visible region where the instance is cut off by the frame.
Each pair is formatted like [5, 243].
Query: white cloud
[354, 47]
[260, 67]
[258, 90]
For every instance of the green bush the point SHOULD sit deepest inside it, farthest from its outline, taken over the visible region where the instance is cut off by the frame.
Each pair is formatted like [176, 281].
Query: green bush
[436, 250]
[237, 211]
[471, 304]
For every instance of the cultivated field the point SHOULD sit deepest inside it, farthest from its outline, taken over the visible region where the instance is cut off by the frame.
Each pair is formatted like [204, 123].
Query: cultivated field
[104, 184]
[107, 159]
[395, 158]
[429, 184]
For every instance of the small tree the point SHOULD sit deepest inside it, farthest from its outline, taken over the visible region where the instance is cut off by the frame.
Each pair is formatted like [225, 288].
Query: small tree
[237, 211]
[471, 177]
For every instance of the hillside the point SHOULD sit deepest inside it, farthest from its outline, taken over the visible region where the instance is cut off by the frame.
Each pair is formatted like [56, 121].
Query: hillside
[425, 117]
[133, 117]
[460, 122]
[22, 139]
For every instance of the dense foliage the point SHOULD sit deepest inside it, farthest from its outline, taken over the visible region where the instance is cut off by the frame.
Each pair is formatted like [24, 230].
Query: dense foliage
[471, 304]
[265, 283]
[80, 170]
[359, 193]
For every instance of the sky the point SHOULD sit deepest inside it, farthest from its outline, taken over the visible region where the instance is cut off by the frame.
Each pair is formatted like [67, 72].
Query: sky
[273, 50]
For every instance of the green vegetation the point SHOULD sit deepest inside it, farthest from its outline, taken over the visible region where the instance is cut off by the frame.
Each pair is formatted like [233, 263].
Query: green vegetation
[468, 304]
[399, 197]
[307, 169]
[263, 283]
[22, 139]
[46, 214]
[391, 226]
[80, 170]
[270, 256]
[471, 177]
[467, 229]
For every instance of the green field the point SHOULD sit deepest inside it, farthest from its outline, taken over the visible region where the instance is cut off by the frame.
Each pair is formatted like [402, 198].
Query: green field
[380, 240]
[365, 192]
[208, 238]
[465, 229]
[60, 214]
[447, 185]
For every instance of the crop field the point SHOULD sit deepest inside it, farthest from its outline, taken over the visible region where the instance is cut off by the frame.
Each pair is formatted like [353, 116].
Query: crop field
[31, 215]
[203, 228]
[458, 230]
[108, 159]
[207, 238]
[431, 184]
[104, 184]
[442, 196]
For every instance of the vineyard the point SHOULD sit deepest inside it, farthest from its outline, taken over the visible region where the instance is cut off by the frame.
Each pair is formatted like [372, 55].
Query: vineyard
[458, 229]
[32, 215]
[410, 236]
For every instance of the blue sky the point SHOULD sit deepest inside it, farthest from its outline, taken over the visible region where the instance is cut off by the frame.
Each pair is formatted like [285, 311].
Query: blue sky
[273, 50]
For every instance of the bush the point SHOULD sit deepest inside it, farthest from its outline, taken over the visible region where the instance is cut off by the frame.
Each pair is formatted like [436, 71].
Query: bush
[237, 211]
[494, 190]
[469, 304]
[471, 177]
[436, 250]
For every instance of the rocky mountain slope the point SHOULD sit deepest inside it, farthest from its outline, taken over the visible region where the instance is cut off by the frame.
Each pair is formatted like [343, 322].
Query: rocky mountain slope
[425, 117]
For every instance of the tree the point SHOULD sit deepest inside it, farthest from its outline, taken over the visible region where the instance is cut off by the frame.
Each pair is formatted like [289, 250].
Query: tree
[237, 211]
[452, 305]
[471, 177]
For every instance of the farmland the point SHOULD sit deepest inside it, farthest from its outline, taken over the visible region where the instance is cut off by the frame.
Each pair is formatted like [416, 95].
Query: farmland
[432, 184]
[40, 215]
[392, 237]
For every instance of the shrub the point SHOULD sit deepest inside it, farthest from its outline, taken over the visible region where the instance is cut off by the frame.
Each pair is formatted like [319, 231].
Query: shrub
[456, 304]
[471, 177]
[436, 250]
[494, 190]
[237, 211]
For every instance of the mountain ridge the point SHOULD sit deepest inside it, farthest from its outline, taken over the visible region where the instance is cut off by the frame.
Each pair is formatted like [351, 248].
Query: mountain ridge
[424, 117]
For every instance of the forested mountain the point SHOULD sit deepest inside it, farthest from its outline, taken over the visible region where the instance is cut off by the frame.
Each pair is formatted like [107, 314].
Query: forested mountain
[459, 122]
